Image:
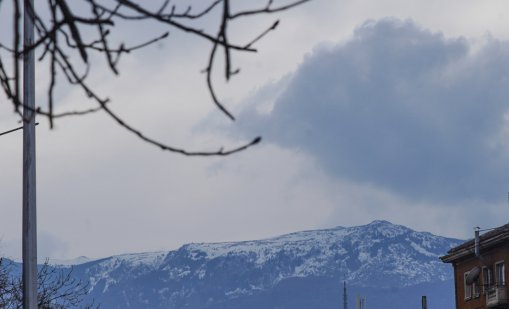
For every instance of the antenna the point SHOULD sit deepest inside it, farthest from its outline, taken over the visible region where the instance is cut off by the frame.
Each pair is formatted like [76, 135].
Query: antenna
[345, 296]
[361, 302]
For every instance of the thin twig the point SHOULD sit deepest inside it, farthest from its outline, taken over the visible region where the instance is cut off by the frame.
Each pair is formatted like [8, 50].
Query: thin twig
[61, 44]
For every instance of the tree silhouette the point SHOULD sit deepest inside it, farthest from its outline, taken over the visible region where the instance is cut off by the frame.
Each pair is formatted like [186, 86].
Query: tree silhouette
[60, 41]
[57, 288]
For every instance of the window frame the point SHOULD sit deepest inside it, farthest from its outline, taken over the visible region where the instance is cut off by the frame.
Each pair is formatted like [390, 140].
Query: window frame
[487, 278]
[468, 291]
[499, 282]
[476, 288]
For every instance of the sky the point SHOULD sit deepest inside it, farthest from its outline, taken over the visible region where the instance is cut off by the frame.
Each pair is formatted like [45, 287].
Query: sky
[387, 109]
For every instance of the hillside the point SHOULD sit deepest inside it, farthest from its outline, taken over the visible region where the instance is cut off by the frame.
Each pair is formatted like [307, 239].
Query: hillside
[391, 265]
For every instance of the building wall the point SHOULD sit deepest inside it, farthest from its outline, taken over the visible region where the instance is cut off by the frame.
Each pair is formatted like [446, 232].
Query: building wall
[487, 258]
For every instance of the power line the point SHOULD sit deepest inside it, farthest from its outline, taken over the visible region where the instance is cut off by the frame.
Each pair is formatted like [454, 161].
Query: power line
[10, 131]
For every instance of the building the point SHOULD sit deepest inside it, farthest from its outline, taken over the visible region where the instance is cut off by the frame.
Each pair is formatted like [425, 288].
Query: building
[480, 270]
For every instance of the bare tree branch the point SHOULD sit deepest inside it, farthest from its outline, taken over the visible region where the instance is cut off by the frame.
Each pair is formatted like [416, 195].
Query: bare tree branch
[57, 288]
[62, 42]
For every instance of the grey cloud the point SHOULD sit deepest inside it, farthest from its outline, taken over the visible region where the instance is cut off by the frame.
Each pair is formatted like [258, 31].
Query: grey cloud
[401, 108]
[50, 245]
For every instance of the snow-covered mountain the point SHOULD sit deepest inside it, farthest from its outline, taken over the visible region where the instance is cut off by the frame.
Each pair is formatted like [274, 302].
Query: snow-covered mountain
[390, 265]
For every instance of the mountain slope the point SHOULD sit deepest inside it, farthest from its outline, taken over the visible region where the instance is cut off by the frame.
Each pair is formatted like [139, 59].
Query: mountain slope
[389, 264]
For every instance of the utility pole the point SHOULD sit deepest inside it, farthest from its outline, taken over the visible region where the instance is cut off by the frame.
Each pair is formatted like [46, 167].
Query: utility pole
[29, 226]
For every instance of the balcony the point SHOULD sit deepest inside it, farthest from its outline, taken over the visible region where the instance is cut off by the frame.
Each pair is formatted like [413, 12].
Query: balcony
[496, 296]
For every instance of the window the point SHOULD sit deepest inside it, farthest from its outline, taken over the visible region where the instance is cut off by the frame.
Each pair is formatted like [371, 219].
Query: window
[468, 287]
[500, 273]
[486, 279]
[476, 288]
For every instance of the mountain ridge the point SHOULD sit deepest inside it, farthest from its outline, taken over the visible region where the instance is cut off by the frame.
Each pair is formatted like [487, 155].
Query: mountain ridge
[373, 259]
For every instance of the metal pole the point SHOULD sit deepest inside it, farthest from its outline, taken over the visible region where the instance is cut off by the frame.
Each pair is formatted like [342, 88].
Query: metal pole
[424, 302]
[29, 189]
[345, 296]
[476, 242]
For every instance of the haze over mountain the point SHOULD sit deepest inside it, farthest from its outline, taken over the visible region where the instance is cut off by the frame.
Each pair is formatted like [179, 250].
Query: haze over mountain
[391, 265]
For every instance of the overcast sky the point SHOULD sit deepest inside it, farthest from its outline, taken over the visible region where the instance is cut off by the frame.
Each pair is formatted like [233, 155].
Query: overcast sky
[369, 109]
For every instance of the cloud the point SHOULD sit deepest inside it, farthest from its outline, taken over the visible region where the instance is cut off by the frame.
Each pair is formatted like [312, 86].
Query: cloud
[101, 191]
[400, 108]
[49, 245]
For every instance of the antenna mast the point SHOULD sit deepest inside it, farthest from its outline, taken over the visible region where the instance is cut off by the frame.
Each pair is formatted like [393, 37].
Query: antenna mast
[345, 296]
[361, 302]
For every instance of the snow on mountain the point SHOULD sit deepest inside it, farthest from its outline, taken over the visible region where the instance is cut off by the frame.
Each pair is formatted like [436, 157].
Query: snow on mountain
[204, 275]
[380, 248]
[138, 264]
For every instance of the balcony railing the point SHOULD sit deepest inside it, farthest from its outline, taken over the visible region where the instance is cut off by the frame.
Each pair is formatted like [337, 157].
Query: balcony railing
[496, 296]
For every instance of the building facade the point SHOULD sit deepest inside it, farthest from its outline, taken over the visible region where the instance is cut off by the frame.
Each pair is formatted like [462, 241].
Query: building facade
[480, 270]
